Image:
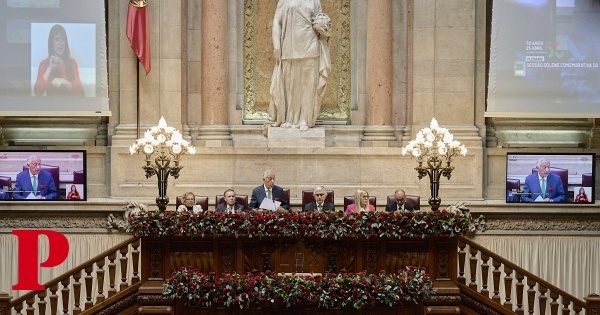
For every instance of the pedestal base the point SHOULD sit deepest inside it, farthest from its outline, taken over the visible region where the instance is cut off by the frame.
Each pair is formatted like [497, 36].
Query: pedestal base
[292, 138]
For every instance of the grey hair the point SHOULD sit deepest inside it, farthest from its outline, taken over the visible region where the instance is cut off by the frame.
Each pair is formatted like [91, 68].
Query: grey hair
[541, 160]
[30, 158]
[320, 188]
[267, 172]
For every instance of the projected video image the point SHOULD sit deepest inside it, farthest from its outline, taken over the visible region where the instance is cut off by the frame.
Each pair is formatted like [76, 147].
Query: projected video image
[541, 178]
[43, 175]
[545, 57]
[53, 58]
[63, 59]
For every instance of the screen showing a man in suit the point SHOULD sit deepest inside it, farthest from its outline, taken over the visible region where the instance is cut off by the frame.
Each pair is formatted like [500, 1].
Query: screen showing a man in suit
[49, 175]
[544, 177]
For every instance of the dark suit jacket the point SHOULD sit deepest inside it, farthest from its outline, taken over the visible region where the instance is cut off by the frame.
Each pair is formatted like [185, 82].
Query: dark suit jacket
[554, 188]
[258, 194]
[46, 185]
[223, 207]
[313, 206]
[392, 206]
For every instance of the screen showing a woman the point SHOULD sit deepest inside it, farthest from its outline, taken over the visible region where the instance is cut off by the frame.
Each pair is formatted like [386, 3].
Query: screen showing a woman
[58, 75]
[73, 194]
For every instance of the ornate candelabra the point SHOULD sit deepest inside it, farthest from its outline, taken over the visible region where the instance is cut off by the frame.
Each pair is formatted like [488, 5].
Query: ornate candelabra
[166, 145]
[434, 148]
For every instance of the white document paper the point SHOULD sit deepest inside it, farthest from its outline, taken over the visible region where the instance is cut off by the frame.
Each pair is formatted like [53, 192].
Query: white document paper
[539, 199]
[30, 196]
[268, 204]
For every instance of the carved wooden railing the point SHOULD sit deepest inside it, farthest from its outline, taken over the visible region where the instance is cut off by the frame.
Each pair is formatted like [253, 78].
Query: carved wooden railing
[517, 282]
[66, 290]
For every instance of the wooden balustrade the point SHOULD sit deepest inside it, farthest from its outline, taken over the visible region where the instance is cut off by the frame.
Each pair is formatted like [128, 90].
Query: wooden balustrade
[493, 283]
[65, 291]
[541, 297]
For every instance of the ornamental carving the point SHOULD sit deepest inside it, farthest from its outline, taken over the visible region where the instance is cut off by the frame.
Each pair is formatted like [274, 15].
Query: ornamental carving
[54, 222]
[227, 257]
[543, 225]
[478, 307]
[120, 305]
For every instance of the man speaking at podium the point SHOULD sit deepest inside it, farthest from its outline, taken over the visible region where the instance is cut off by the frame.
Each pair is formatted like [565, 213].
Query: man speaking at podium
[543, 186]
[34, 183]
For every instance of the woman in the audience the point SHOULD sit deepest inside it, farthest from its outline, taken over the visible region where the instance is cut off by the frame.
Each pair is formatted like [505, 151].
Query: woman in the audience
[582, 196]
[73, 194]
[189, 203]
[361, 202]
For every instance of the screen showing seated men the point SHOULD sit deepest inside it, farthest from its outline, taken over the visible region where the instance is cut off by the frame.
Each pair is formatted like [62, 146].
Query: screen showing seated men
[43, 175]
[53, 58]
[541, 178]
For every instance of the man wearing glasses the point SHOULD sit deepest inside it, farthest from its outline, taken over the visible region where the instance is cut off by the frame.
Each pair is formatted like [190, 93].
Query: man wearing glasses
[268, 190]
[543, 186]
[319, 204]
[400, 203]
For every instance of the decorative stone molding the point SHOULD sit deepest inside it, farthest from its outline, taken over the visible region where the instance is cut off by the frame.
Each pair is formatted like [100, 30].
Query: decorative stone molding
[58, 222]
[543, 224]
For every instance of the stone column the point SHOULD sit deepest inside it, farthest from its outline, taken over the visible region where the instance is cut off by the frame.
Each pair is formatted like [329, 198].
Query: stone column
[215, 129]
[379, 131]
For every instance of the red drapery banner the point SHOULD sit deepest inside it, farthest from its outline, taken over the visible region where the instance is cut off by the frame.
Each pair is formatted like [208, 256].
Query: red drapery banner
[138, 31]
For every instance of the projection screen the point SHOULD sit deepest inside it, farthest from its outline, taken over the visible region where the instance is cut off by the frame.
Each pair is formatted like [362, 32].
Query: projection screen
[53, 58]
[544, 59]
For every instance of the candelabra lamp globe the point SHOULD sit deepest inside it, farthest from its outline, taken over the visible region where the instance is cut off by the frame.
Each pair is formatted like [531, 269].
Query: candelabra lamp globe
[163, 147]
[434, 147]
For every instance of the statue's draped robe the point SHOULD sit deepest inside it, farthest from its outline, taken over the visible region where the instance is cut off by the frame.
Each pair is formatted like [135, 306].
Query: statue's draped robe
[299, 80]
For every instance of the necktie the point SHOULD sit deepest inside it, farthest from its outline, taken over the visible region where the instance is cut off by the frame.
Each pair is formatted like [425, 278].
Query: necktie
[319, 207]
[269, 194]
[543, 188]
[35, 186]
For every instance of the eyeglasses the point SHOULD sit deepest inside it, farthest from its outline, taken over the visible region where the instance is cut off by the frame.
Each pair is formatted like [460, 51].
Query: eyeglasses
[190, 199]
[319, 195]
[365, 197]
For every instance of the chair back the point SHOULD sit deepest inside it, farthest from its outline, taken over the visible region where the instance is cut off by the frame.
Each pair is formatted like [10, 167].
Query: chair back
[78, 177]
[200, 200]
[562, 172]
[348, 200]
[415, 201]
[587, 180]
[308, 197]
[239, 199]
[5, 181]
[513, 183]
[53, 170]
[286, 194]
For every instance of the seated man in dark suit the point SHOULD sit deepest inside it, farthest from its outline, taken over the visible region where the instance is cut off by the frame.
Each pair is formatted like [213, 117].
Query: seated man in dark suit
[230, 205]
[319, 204]
[543, 184]
[268, 190]
[35, 182]
[400, 204]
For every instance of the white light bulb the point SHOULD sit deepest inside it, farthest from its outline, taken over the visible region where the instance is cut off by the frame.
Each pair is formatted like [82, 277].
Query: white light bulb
[148, 149]
[176, 148]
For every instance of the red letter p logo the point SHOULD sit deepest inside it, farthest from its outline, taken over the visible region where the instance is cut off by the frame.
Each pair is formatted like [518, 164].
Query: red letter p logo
[28, 256]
